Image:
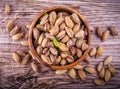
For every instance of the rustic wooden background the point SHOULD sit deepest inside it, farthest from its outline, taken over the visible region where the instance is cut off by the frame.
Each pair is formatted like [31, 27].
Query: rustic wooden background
[97, 12]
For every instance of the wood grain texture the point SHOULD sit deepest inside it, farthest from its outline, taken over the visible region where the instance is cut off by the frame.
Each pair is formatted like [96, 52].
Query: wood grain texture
[97, 12]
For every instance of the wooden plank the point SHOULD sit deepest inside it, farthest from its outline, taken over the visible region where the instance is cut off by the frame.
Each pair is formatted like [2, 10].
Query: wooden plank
[97, 12]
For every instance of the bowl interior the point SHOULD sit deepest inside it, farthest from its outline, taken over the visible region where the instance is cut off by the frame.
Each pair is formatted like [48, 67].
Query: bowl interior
[57, 9]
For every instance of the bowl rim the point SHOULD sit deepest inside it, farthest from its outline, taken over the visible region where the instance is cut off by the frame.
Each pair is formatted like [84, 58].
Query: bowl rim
[31, 47]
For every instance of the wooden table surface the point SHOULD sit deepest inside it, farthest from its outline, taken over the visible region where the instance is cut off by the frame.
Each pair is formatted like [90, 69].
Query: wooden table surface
[97, 12]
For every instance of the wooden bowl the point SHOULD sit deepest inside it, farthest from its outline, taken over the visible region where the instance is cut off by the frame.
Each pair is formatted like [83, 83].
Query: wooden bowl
[58, 8]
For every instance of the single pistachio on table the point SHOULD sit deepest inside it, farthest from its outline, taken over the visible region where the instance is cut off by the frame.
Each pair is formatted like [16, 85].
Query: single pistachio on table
[16, 57]
[112, 69]
[102, 72]
[10, 25]
[92, 52]
[87, 58]
[113, 31]
[99, 82]
[82, 74]
[17, 36]
[107, 60]
[25, 43]
[90, 70]
[26, 59]
[34, 67]
[99, 31]
[72, 73]
[7, 9]
[107, 75]
[15, 30]
[60, 71]
[99, 51]
[78, 66]
[21, 52]
[105, 35]
[99, 66]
